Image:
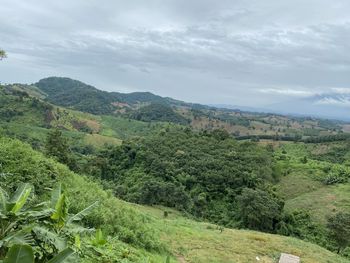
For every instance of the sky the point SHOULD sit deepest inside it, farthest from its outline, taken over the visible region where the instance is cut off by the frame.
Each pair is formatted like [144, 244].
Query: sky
[237, 52]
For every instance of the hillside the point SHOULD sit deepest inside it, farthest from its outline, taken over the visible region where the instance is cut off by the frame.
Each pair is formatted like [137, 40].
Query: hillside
[80, 96]
[282, 175]
[321, 185]
[26, 116]
[196, 242]
[141, 230]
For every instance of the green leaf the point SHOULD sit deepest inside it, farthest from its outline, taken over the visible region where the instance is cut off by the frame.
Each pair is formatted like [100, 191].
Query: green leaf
[3, 201]
[49, 237]
[99, 239]
[20, 198]
[62, 256]
[20, 237]
[20, 254]
[79, 216]
[77, 241]
[61, 211]
[56, 194]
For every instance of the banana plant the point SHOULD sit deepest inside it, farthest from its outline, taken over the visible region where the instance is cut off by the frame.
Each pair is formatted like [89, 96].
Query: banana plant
[25, 254]
[61, 226]
[16, 220]
[62, 220]
[42, 230]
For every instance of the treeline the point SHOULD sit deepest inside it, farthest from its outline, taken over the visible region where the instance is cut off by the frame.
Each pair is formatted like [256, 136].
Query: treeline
[297, 138]
[275, 137]
[328, 138]
[158, 112]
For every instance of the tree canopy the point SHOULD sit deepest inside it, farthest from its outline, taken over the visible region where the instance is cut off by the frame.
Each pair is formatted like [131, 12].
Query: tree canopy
[339, 228]
[2, 54]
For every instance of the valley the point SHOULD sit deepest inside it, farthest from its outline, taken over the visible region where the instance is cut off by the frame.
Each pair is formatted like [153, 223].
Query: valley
[175, 181]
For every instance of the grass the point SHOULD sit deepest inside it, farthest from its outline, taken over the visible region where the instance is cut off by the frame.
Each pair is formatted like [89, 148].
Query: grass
[302, 187]
[126, 128]
[99, 141]
[323, 202]
[196, 242]
[297, 183]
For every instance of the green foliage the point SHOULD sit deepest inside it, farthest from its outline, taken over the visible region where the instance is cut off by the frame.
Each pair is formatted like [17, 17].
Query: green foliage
[259, 210]
[62, 256]
[299, 224]
[57, 146]
[158, 112]
[197, 173]
[339, 228]
[72, 93]
[80, 96]
[20, 163]
[2, 54]
[16, 105]
[23, 226]
[20, 254]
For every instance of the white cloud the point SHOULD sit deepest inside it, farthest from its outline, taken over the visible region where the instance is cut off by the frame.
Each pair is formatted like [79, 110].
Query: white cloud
[341, 90]
[334, 101]
[199, 50]
[288, 92]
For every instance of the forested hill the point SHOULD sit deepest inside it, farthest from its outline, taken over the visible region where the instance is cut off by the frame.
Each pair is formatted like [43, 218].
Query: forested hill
[147, 107]
[80, 96]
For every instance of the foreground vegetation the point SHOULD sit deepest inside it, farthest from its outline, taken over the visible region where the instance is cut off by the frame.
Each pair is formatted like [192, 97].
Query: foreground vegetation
[143, 234]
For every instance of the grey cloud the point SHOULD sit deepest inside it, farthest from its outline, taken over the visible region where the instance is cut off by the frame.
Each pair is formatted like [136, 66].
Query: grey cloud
[203, 51]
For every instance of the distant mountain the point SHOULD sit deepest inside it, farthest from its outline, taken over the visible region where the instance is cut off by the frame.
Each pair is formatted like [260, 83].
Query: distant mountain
[328, 105]
[74, 94]
[147, 107]
[242, 108]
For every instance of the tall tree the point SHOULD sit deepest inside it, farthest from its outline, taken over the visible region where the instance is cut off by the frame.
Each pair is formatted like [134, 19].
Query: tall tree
[339, 229]
[2, 54]
[57, 146]
[258, 209]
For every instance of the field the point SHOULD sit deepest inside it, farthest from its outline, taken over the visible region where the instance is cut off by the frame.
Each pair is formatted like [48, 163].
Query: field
[196, 242]
[301, 183]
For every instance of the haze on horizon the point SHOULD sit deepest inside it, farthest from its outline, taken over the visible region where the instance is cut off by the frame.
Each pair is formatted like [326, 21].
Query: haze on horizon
[282, 55]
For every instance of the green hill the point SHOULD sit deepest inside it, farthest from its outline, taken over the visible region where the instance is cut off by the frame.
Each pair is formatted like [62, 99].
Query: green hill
[142, 234]
[80, 96]
[158, 112]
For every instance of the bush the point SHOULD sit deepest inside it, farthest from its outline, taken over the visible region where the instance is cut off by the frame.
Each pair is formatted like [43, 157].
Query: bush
[20, 163]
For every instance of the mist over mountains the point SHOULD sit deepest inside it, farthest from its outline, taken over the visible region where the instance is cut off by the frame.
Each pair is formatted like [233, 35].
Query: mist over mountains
[332, 105]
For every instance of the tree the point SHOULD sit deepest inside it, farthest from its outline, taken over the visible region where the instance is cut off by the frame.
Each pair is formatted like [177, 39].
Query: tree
[258, 209]
[57, 146]
[2, 54]
[339, 229]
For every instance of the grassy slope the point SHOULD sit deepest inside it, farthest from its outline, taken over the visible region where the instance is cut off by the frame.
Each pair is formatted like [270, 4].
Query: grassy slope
[302, 188]
[197, 242]
[32, 124]
[187, 240]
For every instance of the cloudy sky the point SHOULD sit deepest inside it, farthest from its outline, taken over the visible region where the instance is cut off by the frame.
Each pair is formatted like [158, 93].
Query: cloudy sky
[239, 52]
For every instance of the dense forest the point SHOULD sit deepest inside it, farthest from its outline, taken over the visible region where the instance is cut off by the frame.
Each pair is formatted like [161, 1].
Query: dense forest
[202, 174]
